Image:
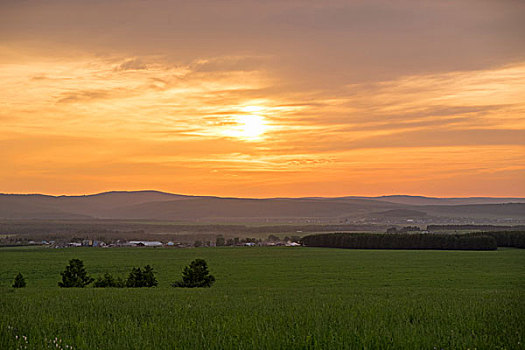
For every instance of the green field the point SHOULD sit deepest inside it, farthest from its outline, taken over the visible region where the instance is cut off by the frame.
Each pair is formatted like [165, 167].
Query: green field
[270, 298]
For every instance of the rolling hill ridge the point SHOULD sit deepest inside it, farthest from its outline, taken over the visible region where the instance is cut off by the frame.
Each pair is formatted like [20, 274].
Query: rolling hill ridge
[155, 205]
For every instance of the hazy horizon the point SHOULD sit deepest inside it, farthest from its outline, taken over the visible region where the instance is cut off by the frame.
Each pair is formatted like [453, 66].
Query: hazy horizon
[240, 197]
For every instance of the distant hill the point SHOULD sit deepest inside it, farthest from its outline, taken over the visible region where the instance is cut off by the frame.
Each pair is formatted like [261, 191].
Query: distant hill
[154, 205]
[95, 205]
[15, 208]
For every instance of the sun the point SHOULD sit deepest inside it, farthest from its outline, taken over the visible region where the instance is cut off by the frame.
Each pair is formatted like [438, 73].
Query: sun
[250, 123]
[247, 127]
[251, 126]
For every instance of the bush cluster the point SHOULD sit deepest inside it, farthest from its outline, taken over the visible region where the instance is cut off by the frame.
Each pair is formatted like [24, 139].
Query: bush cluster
[141, 278]
[401, 241]
[108, 281]
[137, 278]
[75, 275]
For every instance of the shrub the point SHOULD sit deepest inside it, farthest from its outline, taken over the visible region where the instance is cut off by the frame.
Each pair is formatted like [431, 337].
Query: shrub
[75, 275]
[195, 275]
[148, 277]
[19, 281]
[108, 281]
[138, 278]
[135, 278]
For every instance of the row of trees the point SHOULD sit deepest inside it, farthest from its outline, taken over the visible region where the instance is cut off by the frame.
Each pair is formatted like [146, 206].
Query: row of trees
[220, 241]
[403, 229]
[401, 241]
[76, 276]
[515, 239]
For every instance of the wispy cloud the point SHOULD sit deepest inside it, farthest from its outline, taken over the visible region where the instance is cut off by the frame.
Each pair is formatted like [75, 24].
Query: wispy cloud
[131, 64]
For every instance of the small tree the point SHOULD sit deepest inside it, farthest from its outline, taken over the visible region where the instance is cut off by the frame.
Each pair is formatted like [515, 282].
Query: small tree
[75, 275]
[135, 278]
[19, 281]
[149, 277]
[195, 275]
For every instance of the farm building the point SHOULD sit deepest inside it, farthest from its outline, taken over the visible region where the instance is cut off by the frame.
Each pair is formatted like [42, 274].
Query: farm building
[146, 243]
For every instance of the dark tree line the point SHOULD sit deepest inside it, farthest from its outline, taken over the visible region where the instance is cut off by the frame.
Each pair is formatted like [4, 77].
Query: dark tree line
[401, 241]
[515, 239]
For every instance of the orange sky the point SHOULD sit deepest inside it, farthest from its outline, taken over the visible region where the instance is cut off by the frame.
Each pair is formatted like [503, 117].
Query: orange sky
[263, 99]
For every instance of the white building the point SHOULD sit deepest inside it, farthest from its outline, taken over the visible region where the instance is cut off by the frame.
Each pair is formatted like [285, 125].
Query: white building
[146, 243]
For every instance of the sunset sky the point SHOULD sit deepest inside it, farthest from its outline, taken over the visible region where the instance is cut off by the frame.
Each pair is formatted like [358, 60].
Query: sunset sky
[263, 98]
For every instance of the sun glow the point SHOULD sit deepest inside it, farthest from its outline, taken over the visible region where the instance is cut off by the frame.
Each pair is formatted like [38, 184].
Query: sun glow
[252, 109]
[250, 123]
[247, 127]
[251, 126]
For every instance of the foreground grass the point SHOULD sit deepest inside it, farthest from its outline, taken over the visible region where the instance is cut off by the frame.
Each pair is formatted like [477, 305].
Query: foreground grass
[270, 298]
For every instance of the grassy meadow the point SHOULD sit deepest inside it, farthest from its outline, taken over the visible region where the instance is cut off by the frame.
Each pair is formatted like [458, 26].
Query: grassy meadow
[269, 298]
